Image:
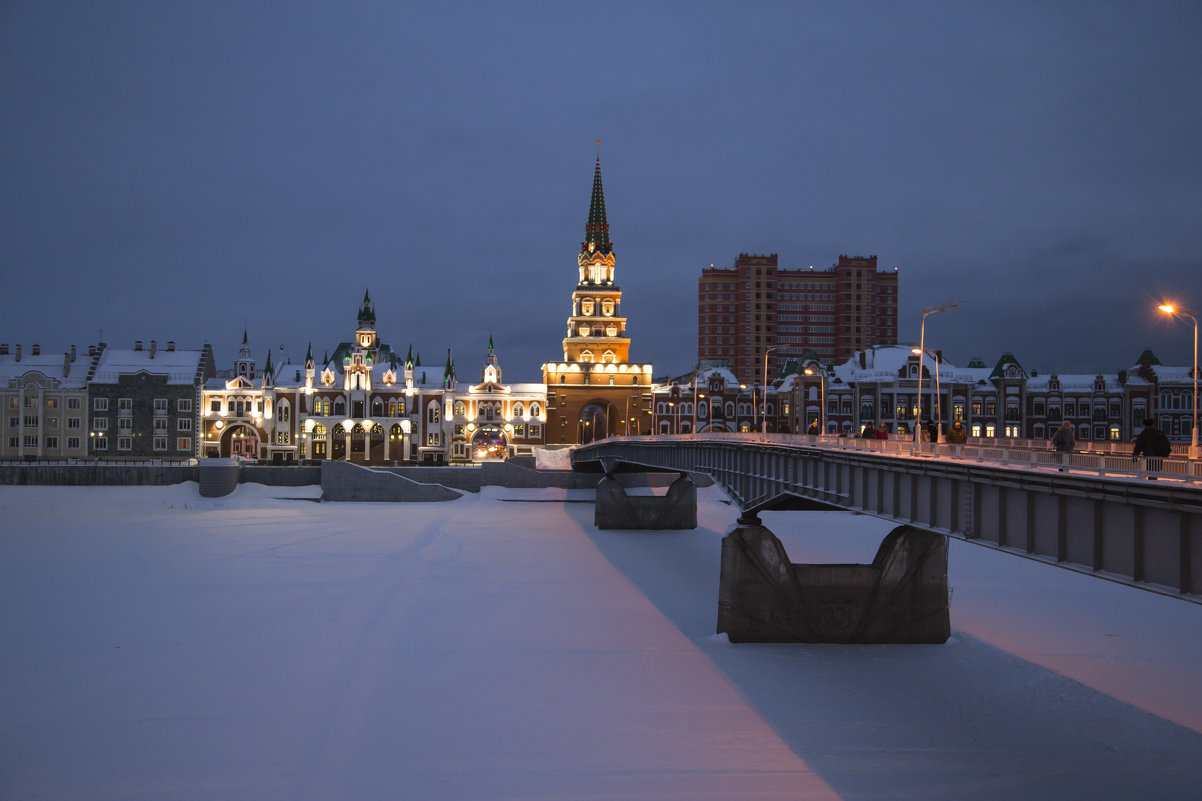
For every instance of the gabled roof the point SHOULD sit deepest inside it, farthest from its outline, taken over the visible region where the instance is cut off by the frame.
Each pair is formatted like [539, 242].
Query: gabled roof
[1007, 359]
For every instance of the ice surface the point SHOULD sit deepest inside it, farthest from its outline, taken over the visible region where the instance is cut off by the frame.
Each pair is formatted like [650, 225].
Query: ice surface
[161, 645]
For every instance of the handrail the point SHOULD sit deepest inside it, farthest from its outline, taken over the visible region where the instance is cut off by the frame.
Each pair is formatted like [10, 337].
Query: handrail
[1106, 462]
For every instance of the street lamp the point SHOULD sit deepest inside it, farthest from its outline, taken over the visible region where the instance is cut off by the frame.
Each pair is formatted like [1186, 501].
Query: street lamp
[926, 312]
[1169, 308]
[822, 384]
[937, 406]
[764, 430]
[755, 420]
[676, 413]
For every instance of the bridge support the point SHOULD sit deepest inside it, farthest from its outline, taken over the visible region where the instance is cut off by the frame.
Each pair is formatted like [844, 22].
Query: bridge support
[900, 598]
[617, 510]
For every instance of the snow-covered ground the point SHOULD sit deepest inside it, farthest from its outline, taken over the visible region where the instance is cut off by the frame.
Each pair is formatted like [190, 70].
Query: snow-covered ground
[154, 644]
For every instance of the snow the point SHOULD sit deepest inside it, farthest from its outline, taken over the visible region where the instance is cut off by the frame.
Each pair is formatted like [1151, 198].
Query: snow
[161, 645]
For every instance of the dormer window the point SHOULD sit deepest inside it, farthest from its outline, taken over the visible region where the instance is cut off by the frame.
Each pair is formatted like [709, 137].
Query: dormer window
[586, 308]
[607, 308]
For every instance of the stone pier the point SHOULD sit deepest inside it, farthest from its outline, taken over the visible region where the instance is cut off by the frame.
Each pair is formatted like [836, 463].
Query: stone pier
[900, 598]
[617, 510]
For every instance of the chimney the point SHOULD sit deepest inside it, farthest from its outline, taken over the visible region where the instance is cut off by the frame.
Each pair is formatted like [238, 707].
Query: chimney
[137, 344]
[4, 349]
[37, 350]
[154, 347]
[72, 353]
[66, 364]
[170, 345]
[91, 351]
[18, 351]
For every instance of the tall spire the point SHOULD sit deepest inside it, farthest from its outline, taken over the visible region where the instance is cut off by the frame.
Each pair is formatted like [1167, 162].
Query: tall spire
[596, 230]
[367, 315]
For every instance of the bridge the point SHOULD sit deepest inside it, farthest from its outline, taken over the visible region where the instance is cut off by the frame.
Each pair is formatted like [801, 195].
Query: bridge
[1102, 514]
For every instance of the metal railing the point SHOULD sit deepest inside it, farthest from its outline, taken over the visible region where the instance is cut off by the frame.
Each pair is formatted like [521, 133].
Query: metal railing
[1104, 459]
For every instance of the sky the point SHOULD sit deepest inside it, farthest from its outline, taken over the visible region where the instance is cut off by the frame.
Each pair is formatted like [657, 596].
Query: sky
[187, 171]
[500, 646]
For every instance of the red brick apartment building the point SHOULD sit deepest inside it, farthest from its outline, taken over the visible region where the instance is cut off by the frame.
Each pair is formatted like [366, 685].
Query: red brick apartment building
[756, 309]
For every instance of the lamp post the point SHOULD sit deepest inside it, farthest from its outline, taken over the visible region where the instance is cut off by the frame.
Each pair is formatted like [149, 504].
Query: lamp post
[1169, 308]
[676, 417]
[764, 430]
[822, 385]
[937, 406]
[694, 429]
[922, 336]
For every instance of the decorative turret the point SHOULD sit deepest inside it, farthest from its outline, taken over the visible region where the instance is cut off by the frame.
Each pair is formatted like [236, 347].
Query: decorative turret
[448, 373]
[310, 366]
[268, 372]
[365, 334]
[367, 315]
[244, 367]
[491, 374]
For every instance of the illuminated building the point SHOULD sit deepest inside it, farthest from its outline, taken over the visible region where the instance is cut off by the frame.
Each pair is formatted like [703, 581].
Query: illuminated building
[596, 389]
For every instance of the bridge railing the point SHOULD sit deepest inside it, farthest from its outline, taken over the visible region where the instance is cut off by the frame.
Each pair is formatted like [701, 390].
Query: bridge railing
[1113, 461]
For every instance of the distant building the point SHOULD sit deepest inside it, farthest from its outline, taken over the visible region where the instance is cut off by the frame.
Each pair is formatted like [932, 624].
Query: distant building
[144, 402]
[880, 385]
[595, 389]
[366, 404]
[756, 310]
[44, 398]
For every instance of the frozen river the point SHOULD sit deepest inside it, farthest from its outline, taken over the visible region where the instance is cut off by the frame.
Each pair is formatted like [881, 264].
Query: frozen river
[160, 645]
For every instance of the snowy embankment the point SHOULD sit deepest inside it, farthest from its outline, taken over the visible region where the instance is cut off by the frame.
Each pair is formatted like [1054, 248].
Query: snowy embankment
[157, 644]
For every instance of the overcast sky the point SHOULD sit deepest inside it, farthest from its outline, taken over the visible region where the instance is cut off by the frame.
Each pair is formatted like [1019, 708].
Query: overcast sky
[184, 170]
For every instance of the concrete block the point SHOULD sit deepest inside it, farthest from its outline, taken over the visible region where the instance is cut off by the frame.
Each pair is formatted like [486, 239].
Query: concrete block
[900, 598]
[617, 510]
[218, 477]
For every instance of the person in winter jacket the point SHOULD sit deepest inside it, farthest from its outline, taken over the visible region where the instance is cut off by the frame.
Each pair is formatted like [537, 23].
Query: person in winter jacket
[1063, 441]
[957, 434]
[1152, 444]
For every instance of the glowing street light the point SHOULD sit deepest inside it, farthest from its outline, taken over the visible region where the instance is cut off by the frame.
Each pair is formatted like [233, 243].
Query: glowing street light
[1169, 308]
[926, 312]
[764, 430]
[822, 408]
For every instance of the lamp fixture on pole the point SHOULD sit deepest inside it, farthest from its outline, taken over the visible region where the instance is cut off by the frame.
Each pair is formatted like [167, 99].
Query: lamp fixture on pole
[922, 336]
[764, 416]
[1169, 308]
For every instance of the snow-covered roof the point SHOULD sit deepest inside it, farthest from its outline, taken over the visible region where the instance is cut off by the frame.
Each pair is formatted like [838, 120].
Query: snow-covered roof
[50, 365]
[180, 366]
[1082, 382]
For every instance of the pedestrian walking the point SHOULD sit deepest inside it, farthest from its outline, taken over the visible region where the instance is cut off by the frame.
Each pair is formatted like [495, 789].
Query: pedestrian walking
[1153, 445]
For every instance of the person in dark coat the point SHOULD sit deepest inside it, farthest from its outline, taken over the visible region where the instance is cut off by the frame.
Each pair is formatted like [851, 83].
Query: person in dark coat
[1152, 444]
[813, 430]
[1063, 441]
